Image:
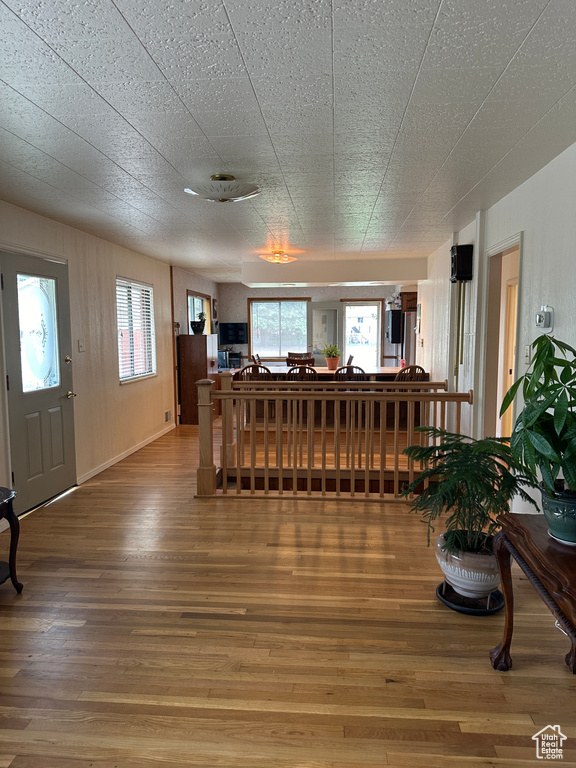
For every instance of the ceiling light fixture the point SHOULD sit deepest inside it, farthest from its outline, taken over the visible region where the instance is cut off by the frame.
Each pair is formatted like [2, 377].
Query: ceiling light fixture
[223, 188]
[278, 257]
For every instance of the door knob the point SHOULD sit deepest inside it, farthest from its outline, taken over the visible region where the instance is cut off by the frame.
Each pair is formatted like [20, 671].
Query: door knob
[67, 359]
[70, 394]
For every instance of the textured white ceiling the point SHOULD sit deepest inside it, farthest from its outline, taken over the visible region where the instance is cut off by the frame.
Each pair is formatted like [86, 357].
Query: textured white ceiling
[375, 128]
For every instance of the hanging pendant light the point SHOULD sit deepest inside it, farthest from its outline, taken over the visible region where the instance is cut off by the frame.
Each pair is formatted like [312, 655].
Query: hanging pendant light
[278, 257]
[223, 188]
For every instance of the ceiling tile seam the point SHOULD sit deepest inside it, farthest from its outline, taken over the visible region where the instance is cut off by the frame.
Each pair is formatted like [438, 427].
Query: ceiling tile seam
[459, 139]
[124, 119]
[398, 132]
[77, 173]
[76, 197]
[521, 139]
[247, 70]
[174, 91]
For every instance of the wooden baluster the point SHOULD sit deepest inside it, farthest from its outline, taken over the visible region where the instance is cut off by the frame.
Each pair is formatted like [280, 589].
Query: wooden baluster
[368, 458]
[383, 462]
[241, 444]
[295, 452]
[280, 446]
[337, 445]
[323, 443]
[206, 473]
[352, 458]
[252, 438]
[228, 447]
[309, 443]
[396, 446]
[266, 447]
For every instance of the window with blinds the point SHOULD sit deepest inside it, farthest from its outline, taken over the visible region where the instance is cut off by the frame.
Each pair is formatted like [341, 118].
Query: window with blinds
[136, 338]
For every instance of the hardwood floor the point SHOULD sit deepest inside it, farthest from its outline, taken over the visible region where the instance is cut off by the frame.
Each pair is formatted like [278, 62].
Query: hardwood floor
[156, 629]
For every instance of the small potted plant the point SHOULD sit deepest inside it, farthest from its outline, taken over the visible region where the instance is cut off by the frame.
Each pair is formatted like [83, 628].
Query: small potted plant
[468, 482]
[197, 326]
[544, 436]
[332, 355]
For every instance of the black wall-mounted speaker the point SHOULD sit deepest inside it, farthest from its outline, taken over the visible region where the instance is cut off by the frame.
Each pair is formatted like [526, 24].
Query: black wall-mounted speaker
[395, 326]
[461, 262]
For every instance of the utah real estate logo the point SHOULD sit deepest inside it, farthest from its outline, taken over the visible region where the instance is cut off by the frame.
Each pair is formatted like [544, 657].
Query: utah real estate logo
[549, 743]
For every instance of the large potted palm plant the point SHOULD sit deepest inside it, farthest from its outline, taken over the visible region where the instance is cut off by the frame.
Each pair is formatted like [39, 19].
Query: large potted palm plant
[466, 482]
[544, 436]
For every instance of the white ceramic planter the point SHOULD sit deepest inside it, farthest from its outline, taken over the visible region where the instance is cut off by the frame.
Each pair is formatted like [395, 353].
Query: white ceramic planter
[470, 574]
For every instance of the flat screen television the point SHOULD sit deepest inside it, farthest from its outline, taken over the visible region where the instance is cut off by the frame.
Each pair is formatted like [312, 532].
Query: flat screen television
[233, 333]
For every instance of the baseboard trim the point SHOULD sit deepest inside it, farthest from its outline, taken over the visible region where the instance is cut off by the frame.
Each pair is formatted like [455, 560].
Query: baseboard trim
[96, 471]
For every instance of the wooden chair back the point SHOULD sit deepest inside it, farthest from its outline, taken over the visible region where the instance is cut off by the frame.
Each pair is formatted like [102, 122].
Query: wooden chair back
[411, 373]
[349, 373]
[299, 359]
[254, 373]
[301, 373]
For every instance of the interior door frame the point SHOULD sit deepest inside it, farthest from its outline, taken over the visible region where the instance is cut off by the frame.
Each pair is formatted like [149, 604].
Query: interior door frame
[380, 320]
[486, 410]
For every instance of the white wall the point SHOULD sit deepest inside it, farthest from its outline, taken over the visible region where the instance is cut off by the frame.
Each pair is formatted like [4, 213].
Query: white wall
[111, 420]
[542, 211]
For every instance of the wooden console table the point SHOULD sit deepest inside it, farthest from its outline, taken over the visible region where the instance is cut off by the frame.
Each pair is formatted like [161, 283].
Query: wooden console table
[551, 569]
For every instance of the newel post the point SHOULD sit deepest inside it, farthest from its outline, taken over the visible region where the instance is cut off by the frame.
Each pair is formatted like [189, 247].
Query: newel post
[228, 447]
[206, 474]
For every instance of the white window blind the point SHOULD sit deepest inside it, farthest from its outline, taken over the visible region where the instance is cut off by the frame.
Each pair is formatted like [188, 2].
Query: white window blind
[136, 338]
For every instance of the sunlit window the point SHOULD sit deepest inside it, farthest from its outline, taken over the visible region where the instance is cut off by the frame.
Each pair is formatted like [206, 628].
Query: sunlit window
[136, 337]
[278, 327]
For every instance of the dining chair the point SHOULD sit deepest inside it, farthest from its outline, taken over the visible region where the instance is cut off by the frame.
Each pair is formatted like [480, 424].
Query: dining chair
[301, 373]
[299, 358]
[411, 373]
[349, 373]
[254, 373]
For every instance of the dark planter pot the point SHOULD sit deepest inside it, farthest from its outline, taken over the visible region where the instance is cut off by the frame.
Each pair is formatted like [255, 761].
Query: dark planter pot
[197, 326]
[560, 512]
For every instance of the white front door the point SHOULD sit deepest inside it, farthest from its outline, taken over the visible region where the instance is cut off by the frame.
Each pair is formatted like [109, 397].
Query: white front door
[36, 320]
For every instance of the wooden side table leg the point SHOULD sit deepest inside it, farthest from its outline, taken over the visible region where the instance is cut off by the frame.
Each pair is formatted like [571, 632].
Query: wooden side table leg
[14, 536]
[500, 656]
[571, 659]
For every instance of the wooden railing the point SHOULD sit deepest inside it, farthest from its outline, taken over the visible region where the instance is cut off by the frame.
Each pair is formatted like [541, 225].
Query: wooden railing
[317, 439]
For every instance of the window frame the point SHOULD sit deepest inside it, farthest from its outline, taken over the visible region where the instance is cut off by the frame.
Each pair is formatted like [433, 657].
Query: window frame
[271, 300]
[207, 308]
[149, 329]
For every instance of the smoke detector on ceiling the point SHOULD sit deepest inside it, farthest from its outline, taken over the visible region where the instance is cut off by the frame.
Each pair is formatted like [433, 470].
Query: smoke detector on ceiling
[223, 188]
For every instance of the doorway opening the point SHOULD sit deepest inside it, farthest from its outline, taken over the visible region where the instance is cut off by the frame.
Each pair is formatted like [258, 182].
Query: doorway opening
[501, 331]
[362, 334]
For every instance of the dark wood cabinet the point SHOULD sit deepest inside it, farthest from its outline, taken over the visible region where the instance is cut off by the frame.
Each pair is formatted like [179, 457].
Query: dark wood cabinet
[197, 359]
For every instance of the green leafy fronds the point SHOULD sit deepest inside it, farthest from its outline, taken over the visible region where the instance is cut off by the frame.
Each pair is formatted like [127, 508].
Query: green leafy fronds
[468, 482]
[542, 439]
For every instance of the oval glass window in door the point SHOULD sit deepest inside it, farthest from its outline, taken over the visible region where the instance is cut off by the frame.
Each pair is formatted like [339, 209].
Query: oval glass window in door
[38, 332]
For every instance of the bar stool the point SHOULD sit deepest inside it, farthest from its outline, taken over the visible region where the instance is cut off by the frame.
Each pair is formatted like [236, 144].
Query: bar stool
[8, 570]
